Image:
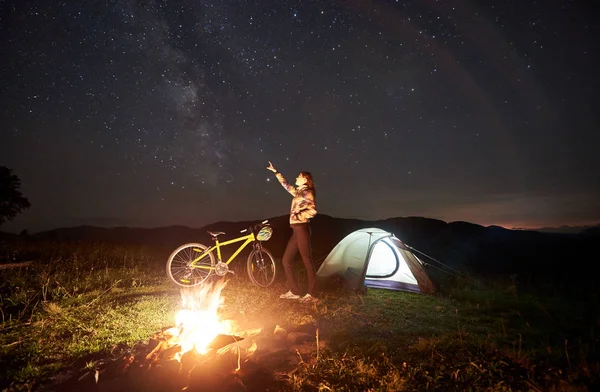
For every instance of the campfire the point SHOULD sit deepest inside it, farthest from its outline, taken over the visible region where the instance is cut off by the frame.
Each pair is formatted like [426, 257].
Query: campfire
[197, 324]
[205, 351]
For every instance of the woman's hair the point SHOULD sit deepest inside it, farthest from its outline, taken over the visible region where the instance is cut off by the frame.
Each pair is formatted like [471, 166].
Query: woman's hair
[309, 182]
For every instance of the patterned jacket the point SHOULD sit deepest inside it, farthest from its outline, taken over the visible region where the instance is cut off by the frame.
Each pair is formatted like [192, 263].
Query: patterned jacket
[303, 204]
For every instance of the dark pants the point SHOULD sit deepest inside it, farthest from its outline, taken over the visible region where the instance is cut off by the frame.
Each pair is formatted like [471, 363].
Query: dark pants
[299, 241]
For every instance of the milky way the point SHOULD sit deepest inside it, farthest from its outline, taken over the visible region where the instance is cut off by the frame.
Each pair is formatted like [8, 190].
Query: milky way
[150, 113]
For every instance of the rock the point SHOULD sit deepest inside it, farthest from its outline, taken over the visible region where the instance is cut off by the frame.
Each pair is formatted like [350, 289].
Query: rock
[256, 378]
[207, 377]
[267, 358]
[299, 337]
[171, 367]
[189, 359]
[280, 332]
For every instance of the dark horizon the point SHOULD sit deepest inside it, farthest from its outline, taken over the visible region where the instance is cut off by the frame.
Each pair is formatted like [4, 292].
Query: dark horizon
[565, 229]
[127, 114]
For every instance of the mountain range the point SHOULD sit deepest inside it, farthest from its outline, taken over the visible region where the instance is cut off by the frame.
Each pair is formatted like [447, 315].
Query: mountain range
[459, 245]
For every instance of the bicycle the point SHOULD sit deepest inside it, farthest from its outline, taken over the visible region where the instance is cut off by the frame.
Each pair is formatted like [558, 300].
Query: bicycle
[193, 263]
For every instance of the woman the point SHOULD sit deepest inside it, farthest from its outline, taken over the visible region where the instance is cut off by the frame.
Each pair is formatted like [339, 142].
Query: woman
[302, 211]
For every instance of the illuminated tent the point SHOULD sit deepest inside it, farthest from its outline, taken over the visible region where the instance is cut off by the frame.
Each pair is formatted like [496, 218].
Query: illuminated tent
[375, 258]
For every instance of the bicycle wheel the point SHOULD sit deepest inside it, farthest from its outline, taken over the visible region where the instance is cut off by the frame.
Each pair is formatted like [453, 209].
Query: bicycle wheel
[261, 267]
[180, 268]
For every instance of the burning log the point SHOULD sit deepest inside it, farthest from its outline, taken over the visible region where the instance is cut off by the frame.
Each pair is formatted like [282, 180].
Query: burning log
[163, 351]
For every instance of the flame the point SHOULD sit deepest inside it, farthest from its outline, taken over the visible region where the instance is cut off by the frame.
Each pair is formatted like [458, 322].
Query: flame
[198, 324]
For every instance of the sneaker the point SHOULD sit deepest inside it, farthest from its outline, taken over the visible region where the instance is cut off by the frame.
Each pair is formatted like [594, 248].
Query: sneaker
[289, 295]
[308, 298]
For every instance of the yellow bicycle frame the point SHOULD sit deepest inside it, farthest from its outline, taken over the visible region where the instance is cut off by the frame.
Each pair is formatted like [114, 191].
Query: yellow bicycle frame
[249, 238]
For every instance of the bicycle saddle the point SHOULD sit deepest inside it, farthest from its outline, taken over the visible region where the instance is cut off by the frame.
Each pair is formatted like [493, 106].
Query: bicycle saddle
[215, 233]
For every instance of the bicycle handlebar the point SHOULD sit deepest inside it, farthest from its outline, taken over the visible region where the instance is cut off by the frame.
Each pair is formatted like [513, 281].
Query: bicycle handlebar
[262, 223]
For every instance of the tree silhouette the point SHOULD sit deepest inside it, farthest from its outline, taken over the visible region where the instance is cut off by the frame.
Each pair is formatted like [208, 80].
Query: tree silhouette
[12, 201]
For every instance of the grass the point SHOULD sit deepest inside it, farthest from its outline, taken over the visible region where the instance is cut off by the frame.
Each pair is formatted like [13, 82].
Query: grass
[79, 304]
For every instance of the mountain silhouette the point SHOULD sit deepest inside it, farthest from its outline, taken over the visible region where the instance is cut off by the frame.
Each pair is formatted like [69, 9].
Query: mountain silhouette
[465, 246]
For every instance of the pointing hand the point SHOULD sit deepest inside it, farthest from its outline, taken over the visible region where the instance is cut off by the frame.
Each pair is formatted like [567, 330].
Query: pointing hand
[271, 167]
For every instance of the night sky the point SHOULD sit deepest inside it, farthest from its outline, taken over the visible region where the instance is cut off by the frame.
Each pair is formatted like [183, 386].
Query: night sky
[156, 113]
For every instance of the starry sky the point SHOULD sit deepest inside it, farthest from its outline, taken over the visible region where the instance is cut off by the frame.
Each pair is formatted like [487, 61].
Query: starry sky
[155, 113]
